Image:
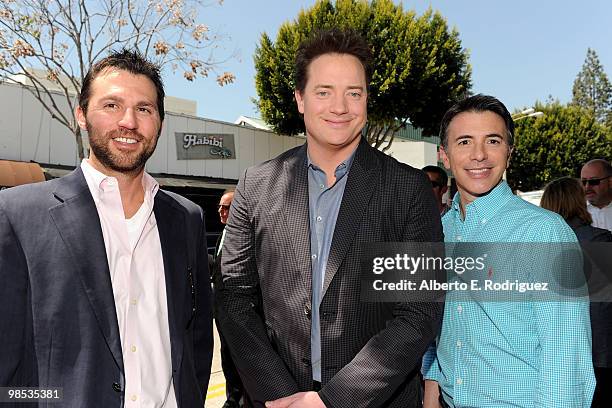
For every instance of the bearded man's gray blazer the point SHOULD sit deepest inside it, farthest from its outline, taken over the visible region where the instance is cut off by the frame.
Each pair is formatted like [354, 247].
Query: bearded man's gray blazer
[58, 323]
[370, 352]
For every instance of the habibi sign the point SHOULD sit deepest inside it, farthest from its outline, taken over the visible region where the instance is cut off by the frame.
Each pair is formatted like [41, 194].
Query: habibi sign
[197, 146]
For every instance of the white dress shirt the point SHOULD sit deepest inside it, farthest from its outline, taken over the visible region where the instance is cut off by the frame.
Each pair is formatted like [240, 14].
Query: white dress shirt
[602, 217]
[135, 261]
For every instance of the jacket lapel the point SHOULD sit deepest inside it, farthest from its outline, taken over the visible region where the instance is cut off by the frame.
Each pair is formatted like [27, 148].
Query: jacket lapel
[357, 193]
[172, 235]
[78, 223]
[295, 188]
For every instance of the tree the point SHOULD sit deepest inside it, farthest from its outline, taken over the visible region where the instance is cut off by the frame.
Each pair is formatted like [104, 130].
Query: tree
[556, 144]
[592, 89]
[52, 44]
[420, 68]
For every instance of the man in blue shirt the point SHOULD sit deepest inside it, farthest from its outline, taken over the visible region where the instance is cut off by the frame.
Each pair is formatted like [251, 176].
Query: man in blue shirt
[499, 354]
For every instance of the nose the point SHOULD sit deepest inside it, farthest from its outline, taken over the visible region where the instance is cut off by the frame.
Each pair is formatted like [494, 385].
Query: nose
[479, 152]
[339, 105]
[128, 120]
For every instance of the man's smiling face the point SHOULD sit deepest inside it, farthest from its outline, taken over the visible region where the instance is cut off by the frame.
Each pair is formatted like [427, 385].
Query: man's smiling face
[122, 121]
[477, 152]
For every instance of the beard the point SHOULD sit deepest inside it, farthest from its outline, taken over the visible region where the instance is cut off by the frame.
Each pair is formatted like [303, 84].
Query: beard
[123, 162]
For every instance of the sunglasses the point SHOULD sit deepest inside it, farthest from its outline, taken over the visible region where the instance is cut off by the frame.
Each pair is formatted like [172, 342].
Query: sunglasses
[224, 207]
[593, 181]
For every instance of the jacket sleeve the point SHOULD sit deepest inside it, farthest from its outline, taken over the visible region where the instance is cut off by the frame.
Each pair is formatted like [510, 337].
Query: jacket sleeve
[15, 323]
[263, 373]
[203, 331]
[390, 357]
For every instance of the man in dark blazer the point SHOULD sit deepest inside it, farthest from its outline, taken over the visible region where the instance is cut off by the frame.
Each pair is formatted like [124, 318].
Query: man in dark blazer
[296, 232]
[104, 283]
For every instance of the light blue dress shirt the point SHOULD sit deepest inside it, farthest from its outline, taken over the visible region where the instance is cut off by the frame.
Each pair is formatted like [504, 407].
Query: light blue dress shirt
[324, 205]
[511, 354]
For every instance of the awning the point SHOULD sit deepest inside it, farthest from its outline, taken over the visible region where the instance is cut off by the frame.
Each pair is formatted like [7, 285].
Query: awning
[15, 173]
[163, 180]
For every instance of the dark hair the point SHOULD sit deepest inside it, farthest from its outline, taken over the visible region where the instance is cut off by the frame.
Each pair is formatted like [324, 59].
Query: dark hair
[443, 177]
[565, 196]
[477, 103]
[131, 61]
[331, 41]
[603, 164]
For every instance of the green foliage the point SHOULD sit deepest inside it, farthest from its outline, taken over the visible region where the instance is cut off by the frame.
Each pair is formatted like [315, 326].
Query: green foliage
[592, 89]
[420, 68]
[555, 145]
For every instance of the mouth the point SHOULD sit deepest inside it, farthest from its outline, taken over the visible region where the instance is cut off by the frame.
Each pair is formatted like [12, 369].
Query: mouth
[125, 140]
[479, 173]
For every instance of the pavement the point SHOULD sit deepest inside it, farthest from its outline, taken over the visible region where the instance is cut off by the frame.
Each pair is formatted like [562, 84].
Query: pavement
[215, 397]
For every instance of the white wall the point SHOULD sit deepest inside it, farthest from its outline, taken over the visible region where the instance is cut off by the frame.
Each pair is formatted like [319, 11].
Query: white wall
[415, 153]
[27, 132]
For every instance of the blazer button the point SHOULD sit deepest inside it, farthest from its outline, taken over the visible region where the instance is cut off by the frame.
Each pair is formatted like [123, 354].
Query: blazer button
[116, 387]
[307, 311]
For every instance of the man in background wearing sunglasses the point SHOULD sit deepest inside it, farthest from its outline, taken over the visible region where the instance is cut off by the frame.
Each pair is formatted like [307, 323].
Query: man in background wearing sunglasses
[439, 183]
[233, 385]
[596, 177]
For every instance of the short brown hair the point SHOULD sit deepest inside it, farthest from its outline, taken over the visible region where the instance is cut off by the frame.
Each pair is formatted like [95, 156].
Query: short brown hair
[565, 196]
[131, 61]
[331, 41]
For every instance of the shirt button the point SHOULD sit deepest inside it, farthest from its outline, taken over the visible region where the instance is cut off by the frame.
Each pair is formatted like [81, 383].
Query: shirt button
[460, 308]
[321, 186]
[319, 218]
[459, 343]
[133, 301]
[134, 397]
[133, 349]
[483, 221]
[314, 256]
[459, 381]
[459, 237]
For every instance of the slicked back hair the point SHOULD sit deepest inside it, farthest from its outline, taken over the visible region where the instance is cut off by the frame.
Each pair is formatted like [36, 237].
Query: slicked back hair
[442, 176]
[331, 41]
[477, 103]
[131, 61]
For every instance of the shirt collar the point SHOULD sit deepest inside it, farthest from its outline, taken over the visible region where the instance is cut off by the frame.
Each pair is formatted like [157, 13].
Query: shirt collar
[486, 206]
[341, 170]
[98, 181]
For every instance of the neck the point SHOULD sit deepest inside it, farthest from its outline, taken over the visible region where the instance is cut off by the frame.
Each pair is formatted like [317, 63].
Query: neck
[130, 186]
[602, 205]
[329, 159]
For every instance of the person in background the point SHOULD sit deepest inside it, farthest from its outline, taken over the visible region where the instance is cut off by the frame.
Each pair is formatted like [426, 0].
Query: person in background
[439, 184]
[566, 197]
[233, 386]
[596, 177]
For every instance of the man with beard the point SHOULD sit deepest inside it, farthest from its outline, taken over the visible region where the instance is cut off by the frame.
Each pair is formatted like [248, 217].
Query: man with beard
[105, 290]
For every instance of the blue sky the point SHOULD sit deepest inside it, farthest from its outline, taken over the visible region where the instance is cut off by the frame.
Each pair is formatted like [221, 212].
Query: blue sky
[520, 51]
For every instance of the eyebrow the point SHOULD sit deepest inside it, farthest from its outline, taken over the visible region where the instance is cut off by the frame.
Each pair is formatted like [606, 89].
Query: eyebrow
[486, 136]
[325, 86]
[121, 99]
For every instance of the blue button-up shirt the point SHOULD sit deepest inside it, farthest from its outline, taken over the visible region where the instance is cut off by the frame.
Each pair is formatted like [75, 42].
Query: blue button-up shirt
[324, 205]
[511, 354]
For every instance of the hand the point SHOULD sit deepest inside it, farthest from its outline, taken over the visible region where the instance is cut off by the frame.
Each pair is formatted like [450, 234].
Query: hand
[432, 395]
[308, 399]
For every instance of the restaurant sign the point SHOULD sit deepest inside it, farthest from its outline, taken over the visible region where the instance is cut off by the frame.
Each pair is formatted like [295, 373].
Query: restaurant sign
[197, 146]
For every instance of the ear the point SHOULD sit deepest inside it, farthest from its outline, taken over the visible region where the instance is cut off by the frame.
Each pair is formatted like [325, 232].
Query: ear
[80, 117]
[299, 100]
[444, 157]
